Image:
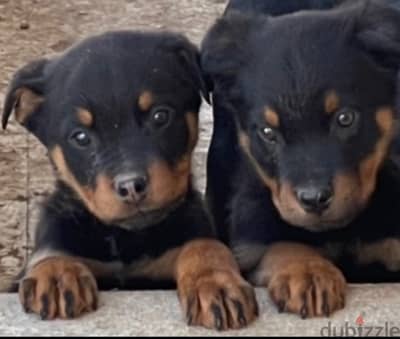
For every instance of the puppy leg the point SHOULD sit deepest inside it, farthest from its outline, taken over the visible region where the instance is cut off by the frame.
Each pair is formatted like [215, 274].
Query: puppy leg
[301, 281]
[211, 290]
[59, 287]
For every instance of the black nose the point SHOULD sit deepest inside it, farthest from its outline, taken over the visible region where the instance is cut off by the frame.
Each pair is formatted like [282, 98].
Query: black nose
[131, 188]
[315, 199]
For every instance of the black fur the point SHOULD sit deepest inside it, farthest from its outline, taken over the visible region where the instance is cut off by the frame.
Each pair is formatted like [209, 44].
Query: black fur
[278, 7]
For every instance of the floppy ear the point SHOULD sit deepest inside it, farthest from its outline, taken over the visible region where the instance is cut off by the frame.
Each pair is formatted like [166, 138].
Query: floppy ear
[26, 95]
[189, 58]
[223, 51]
[377, 30]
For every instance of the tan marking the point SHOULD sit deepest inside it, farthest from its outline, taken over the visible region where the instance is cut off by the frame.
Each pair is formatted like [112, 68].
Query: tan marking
[204, 255]
[145, 101]
[104, 201]
[245, 144]
[152, 268]
[345, 205]
[85, 117]
[167, 185]
[43, 254]
[332, 102]
[204, 268]
[296, 274]
[272, 118]
[101, 201]
[346, 201]
[98, 268]
[279, 256]
[26, 104]
[162, 267]
[352, 190]
[192, 121]
[283, 195]
[370, 167]
[386, 252]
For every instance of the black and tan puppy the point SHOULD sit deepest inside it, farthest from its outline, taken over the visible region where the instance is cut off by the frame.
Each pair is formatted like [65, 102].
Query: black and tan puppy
[300, 179]
[119, 116]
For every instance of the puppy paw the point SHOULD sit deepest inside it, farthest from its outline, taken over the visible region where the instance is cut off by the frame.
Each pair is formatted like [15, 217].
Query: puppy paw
[59, 287]
[315, 288]
[218, 300]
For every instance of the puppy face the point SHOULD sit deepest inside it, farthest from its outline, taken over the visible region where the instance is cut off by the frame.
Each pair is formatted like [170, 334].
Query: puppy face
[315, 109]
[119, 115]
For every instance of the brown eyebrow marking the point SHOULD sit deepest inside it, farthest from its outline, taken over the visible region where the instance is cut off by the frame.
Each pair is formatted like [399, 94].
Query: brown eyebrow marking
[370, 166]
[85, 117]
[271, 183]
[145, 100]
[271, 117]
[332, 102]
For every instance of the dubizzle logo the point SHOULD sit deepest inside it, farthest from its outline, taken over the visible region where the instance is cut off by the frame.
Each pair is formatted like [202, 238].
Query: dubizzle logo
[361, 329]
[360, 320]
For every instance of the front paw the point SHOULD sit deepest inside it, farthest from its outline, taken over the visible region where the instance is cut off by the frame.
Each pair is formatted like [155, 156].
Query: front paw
[59, 287]
[218, 300]
[311, 289]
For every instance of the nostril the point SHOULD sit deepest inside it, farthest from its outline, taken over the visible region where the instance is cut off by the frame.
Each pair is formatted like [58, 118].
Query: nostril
[325, 197]
[123, 192]
[140, 185]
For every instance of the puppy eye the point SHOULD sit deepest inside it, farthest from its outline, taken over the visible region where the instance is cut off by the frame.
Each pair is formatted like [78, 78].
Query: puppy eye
[80, 138]
[269, 135]
[161, 116]
[346, 119]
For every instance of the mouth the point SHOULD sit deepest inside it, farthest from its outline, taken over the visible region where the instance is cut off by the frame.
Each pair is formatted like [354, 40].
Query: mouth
[326, 225]
[143, 218]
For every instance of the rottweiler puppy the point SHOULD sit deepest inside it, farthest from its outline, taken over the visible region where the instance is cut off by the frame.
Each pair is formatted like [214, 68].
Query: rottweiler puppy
[301, 180]
[118, 114]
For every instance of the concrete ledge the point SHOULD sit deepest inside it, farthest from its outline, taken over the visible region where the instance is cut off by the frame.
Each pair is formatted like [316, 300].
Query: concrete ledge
[158, 314]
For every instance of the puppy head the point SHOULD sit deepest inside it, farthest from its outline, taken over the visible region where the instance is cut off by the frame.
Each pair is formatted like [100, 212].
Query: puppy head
[313, 95]
[119, 114]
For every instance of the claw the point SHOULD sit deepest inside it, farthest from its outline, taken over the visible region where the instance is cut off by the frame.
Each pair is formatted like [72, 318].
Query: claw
[44, 312]
[304, 310]
[281, 306]
[325, 307]
[190, 320]
[69, 304]
[240, 312]
[218, 317]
